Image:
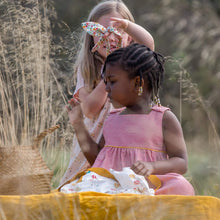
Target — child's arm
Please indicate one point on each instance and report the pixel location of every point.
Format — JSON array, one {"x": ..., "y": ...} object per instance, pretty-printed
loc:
[
  {"x": 92, "y": 103},
  {"x": 88, "y": 146},
  {"x": 139, "y": 34},
  {"x": 175, "y": 147}
]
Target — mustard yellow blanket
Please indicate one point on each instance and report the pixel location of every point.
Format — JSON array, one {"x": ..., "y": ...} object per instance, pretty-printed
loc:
[{"x": 91, "y": 205}]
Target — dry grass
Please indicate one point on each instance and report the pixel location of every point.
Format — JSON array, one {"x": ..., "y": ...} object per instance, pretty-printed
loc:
[
  {"x": 202, "y": 138},
  {"x": 32, "y": 98}
]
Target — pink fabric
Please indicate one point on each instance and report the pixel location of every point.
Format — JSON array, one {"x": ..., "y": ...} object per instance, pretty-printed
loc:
[{"x": 129, "y": 138}]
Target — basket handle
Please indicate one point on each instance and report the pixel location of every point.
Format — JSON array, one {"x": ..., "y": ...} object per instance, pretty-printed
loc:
[{"x": 38, "y": 139}]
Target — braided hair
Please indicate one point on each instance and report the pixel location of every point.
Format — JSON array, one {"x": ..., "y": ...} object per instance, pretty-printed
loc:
[{"x": 139, "y": 60}]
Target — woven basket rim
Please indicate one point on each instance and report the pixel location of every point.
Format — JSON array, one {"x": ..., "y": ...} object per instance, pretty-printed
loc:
[{"x": 20, "y": 162}]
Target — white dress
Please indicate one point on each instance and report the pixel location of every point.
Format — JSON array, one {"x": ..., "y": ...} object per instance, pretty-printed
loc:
[{"x": 78, "y": 162}]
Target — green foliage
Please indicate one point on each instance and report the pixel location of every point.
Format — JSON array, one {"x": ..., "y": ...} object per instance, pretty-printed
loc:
[{"x": 204, "y": 168}]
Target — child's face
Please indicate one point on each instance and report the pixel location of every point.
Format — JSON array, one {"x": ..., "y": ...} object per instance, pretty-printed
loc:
[
  {"x": 121, "y": 89},
  {"x": 113, "y": 39}
]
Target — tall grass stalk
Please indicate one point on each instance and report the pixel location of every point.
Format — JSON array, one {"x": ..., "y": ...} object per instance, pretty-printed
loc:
[
  {"x": 31, "y": 98},
  {"x": 191, "y": 94},
  {"x": 204, "y": 149}
]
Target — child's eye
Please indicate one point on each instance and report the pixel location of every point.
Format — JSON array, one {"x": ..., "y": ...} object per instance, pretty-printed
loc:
[{"x": 109, "y": 82}]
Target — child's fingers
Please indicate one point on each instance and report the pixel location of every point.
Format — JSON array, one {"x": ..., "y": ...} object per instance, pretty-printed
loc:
[
  {"x": 115, "y": 19},
  {"x": 76, "y": 96},
  {"x": 118, "y": 22},
  {"x": 115, "y": 22},
  {"x": 72, "y": 103},
  {"x": 77, "y": 99},
  {"x": 135, "y": 166},
  {"x": 139, "y": 168},
  {"x": 68, "y": 108}
]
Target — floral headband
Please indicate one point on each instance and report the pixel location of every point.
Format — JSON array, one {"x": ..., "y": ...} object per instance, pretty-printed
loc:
[{"x": 97, "y": 30}]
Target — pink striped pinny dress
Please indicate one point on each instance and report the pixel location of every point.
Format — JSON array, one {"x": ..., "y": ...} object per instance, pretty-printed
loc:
[{"x": 129, "y": 138}]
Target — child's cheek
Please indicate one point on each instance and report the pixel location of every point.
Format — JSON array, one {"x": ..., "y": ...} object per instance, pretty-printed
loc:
[
  {"x": 126, "y": 39},
  {"x": 95, "y": 39}
]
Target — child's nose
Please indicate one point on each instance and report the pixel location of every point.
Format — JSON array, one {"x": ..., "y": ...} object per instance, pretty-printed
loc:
[{"x": 112, "y": 37}]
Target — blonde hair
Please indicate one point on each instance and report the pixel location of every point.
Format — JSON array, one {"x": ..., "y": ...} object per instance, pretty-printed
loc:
[{"x": 90, "y": 63}]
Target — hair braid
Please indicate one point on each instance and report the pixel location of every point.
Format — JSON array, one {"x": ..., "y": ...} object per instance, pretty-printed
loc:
[{"x": 139, "y": 60}]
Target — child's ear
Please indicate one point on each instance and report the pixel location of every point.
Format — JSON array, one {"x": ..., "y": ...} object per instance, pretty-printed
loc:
[
  {"x": 139, "y": 85},
  {"x": 139, "y": 82},
  {"x": 130, "y": 39}
]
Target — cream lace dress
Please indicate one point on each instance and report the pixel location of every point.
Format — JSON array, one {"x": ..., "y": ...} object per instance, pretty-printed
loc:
[{"x": 78, "y": 162}]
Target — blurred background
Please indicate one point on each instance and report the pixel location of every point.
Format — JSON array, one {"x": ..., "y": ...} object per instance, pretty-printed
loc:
[
  {"x": 188, "y": 34},
  {"x": 186, "y": 31},
  {"x": 41, "y": 38}
]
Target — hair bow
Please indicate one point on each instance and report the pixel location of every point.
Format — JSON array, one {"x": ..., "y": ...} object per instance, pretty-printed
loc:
[{"x": 97, "y": 30}]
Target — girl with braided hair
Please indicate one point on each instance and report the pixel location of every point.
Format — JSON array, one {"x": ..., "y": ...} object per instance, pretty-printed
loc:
[
  {"x": 110, "y": 25},
  {"x": 142, "y": 135}
]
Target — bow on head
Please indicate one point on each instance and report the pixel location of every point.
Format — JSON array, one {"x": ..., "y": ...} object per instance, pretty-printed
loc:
[{"x": 97, "y": 30}]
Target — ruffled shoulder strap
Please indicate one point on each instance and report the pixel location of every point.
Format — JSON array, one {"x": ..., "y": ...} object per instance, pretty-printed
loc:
[
  {"x": 160, "y": 108},
  {"x": 117, "y": 110},
  {"x": 114, "y": 112}
]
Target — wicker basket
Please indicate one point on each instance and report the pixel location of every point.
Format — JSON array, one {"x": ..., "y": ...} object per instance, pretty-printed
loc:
[{"x": 22, "y": 169}]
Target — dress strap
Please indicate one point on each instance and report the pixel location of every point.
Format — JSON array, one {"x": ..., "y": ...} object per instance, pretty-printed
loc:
[
  {"x": 113, "y": 111},
  {"x": 160, "y": 108}
]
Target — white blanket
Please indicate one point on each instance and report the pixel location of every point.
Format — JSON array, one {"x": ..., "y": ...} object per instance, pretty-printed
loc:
[{"x": 126, "y": 182}]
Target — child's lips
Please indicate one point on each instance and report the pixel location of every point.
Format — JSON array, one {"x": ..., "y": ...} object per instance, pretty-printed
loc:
[{"x": 111, "y": 47}]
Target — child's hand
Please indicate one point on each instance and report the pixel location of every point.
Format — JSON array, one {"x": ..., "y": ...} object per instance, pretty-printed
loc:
[
  {"x": 119, "y": 23},
  {"x": 74, "y": 111},
  {"x": 142, "y": 168}
]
